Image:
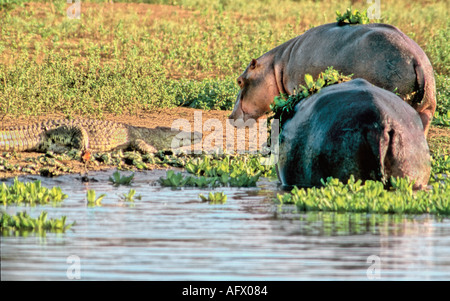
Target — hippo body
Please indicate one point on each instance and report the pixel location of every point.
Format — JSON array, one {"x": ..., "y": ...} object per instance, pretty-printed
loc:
[
  {"x": 353, "y": 128},
  {"x": 379, "y": 53}
]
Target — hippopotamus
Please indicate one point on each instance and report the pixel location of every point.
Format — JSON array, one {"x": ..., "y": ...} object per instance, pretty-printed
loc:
[
  {"x": 379, "y": 53},
  {"x": 353, "y": 128}
]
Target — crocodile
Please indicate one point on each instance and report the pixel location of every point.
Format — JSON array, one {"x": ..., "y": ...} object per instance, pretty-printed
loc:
[{"x": 91, "y": 135}]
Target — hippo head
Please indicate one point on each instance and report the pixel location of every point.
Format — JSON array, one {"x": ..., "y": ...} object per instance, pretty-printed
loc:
[{"x": 258, "y": 88}]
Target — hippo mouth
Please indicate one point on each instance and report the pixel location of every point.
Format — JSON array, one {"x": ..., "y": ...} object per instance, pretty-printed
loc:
[{"x": 239, "y": 112}]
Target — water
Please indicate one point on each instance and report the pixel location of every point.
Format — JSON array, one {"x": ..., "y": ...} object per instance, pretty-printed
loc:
[{"x": 172, "y": 235}]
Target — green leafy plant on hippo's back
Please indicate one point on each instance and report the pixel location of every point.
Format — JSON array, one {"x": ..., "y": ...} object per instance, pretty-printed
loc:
[
  {"x": 283, "y": 106},
  {"x": 352, "y": 17}
]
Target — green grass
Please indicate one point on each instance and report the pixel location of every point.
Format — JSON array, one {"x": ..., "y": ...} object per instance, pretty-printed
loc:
[{"x": 123, "y": 60}]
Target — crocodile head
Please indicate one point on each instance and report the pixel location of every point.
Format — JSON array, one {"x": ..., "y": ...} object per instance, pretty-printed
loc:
[{"x": 164, "y": 138}]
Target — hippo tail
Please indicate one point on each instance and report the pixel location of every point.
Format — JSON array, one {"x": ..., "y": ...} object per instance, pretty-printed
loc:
[
  {"x": 424, "y": 101},
  {"x": 380, "y": 145},
  {"x": 418, "y": 98}
]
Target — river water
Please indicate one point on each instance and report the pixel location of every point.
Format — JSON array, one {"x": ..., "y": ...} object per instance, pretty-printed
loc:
[{"x": 172, "y": 235}]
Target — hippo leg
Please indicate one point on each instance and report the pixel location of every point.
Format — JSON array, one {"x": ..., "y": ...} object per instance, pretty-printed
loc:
[{"x": 426, "y": 118}]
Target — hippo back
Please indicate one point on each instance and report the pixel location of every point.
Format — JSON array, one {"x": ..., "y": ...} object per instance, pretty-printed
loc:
[{"x": 353, "y": 128}]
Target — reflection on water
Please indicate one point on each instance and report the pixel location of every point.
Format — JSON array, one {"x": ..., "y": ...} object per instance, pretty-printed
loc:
[{"x": 172, "y": 235}]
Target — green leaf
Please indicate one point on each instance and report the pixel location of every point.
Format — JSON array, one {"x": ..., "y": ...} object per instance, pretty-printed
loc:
[
  {"x": 320, "y": 82},
  {"x": 309, "y": 81}
]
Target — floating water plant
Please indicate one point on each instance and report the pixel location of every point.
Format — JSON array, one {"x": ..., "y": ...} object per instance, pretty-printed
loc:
[
  {"x": 31, "y": 193},
  {"x": 370, "y": 197},
  {"x": 352, "y": 17},
  {"x": 214, "y": 198},
  {"x": 174, "y": 180},
  {"x": 117, "y": 179},
  {"x": 130, "y": 196},
  {"x": 22, "y": 223},
  {"x": 91, "y": 198},
  {"x": 212, "y": 176},
  {"x": 233, "y": 166}
]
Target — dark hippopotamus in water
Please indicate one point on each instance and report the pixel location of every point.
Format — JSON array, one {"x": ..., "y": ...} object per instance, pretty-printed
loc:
[
  {"x": 379, "y": 53},
  {"x": 353, "y": 128}
]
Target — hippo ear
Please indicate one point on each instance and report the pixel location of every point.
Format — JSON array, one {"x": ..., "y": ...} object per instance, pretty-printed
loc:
[{"x": 253, "y": 64}]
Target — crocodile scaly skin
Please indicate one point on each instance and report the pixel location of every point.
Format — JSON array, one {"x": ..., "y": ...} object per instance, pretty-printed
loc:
[{"x": 94, "y": 135}]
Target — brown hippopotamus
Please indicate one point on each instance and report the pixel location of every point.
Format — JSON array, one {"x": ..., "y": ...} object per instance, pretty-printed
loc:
[
  {"x": 379, "y": 53},
  {"x": 353, "y": 128}
]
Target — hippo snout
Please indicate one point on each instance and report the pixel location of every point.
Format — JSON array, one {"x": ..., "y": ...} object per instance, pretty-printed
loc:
[{"x": 237, "y": 113}]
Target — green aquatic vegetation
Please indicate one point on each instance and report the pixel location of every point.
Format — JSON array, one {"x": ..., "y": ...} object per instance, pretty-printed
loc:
[
  {"x": 234, "y": 166},
  {"x": 117, "y": 179},
  {"x": 31, "y": 193},
  {"x": 214, "y": 198},
  {"x": 174, "y": 179},
  {"x": 370, "y": 197},
  {"x": 22, "y": 223},
  {"x": 235, "y": 172},
  {"x": 212, "y": 179},
  {"x": 352, "y": 17},
  {"x": 92, "y": 199},
  {"x": 202, "y": 181},
  {"x": 179, "y": 180},
  {"x": 130, "y": 196},
  {"x": 242, "y": 180}
]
